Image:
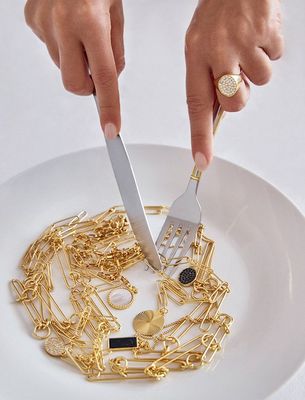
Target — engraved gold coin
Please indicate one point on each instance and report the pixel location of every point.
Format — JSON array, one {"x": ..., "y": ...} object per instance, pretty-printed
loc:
[
  {"x": 148, "y": 322},
  {"x": 54, "y": 346}
]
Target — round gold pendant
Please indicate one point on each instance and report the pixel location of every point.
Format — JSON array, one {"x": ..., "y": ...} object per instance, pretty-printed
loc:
[
  {"x": 54, "y": 346},
  {"x": 148, "y": 322}
]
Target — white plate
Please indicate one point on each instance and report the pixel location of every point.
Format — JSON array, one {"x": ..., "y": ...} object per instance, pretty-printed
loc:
[{"x": 259, "y": 250}]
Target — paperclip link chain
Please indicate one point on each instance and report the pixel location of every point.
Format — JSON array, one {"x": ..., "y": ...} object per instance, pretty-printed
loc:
[{"x": 91, "y": 256}]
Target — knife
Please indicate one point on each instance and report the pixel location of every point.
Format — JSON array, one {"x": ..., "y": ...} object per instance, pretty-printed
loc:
[{"x": 131, "y": 198}]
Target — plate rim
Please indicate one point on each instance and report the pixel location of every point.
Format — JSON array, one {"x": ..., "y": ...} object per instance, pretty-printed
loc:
[{"x": 10, "y": 180}]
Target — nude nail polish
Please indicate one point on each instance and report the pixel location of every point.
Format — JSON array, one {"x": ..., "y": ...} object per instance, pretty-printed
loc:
[
  {"x": 201, "y": 161},
  {"x": 110, "y": 130}
]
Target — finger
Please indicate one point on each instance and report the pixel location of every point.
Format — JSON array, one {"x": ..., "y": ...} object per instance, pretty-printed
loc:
[
  {"x": 238, "y": 101},
  {"x": 74, "y": 67},
  {"x": 200, "y": 100},
  {"x": 52, "y": 49},
  {"x": 117, "y": 35},
  {"x": 32, "y": 14},
  {"x": 36, "y": 18},
  {"x": 30, "y": 10},
  {"x": 257, "y": 67},
  {"x": 274, "y": 47},
  {"x": 97, "y": 43}
]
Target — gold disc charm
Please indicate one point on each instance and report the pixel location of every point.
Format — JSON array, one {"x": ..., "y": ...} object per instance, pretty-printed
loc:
[
  {"x": 148, "y": 322},
  {"x": 54, "y": 346}
]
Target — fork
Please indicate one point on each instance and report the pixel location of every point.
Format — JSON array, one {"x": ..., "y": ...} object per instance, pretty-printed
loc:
[{"x": 181, "y": 224}]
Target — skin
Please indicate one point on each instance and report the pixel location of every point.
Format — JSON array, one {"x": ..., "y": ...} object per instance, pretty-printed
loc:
[
  {"x": 79, "y": 34},
  {"x": 227, "y": 36},
  {"x": 85, "y": 40}
]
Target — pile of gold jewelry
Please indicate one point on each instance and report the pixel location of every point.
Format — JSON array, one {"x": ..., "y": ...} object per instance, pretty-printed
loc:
[{"x": 92, "y": 255}]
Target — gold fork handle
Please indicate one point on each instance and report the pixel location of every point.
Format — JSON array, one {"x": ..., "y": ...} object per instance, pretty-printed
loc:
[{"x": 218, "y": 114}]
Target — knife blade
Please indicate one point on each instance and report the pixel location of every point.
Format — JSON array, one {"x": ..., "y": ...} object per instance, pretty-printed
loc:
[{"x": 129, "y": 191}]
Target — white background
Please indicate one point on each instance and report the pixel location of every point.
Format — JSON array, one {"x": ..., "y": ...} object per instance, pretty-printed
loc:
[{"x": 39, "y": 120}]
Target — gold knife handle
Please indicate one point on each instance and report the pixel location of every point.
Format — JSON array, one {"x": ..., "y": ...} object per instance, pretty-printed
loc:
[{"x": 218, "y": 114}]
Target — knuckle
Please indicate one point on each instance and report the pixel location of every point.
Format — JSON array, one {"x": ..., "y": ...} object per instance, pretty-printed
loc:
[
  {"x": 279, "y": 45},
  {"x": 92, "y": 13},
  {"x": 197, "y": 136},
  {"x": 263, "y": 77},
  {"x": 192, "y": 39},
  {"x": 83, "y": 15},
  {"x": 221, "y": 36},
  {"x": 233, "y": 105},
  {"x": 60, "y": 11},
  {"x": 76, "y": 87},
  {"x": 32, "y": 16},
  {"x": 278, "y": 20},
  {"x": 242, "y": 29},
  {"x": 120, "y": 64},
  {"x": 196, "y": 106},
  {"x": 28, "y": 14},
  {"x": 105, "y": 78},
  {"x": 244, "y": 36},
  {"x": 207, "y": 42},
  {"x": 262, "y": 26}
]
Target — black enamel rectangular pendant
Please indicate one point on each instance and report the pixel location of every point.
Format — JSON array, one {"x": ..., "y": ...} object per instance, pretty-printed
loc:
[{"x": 123, "y": 343}]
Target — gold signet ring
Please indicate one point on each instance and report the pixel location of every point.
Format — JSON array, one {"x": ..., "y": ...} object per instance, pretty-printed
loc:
[{"x": 228, "y": 84}]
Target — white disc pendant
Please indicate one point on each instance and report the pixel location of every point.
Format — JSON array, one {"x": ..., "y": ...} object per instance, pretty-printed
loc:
[{"x": 120, "y": 298}]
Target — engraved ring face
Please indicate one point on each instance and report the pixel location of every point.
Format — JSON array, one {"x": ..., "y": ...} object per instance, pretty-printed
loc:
[{"x": 228, "y": 85}]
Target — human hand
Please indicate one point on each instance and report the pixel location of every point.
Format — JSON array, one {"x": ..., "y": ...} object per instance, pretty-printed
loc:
[
  {"x": 227, "y": 37},
  {"x": 84, "y": 37}
]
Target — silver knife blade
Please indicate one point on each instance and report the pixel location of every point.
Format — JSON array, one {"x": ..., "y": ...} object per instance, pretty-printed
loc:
[{"x": 129, "y": 191}]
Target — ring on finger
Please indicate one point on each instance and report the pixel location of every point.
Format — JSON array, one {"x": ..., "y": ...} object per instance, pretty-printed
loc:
[{"x": 228, "y": 84}]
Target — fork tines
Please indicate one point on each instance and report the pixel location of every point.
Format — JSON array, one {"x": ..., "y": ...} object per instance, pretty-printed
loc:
[{"x": 175, "y": 238}]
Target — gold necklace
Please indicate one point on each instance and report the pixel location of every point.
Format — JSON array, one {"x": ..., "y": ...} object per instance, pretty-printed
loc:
[{"x": 91, "y": 255}]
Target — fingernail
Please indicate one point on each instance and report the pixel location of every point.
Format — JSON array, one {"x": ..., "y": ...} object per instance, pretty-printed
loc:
[
  {"x": 200, "y": 161},
  {"x": 110, "y": 130}
]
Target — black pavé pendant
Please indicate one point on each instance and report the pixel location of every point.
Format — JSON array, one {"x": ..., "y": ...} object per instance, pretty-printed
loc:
[{"x": 187, "y": 276}]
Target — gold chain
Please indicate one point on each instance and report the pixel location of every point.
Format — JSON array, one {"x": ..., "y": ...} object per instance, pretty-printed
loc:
[{"x": 91, "y": 256}]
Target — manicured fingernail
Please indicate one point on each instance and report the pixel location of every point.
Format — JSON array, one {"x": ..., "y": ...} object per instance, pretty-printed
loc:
[
  {"x": 200, "y": 161},
  {"x": 110, "y": 130}
]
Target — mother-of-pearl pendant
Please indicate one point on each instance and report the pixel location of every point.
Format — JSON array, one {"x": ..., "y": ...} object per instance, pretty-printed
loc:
[{"x": 120, "y": 298}]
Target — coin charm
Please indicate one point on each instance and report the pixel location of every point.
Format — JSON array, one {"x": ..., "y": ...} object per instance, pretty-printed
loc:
[
  {"x": 120, "y": 298},
  {"x": 187, "y": 276},
  {"x": 148, "y": 322},
  {"x": 54, "y": 346}
]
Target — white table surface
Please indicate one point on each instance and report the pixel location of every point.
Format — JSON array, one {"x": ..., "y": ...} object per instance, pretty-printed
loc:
[{"x": 39, "y": 120}]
